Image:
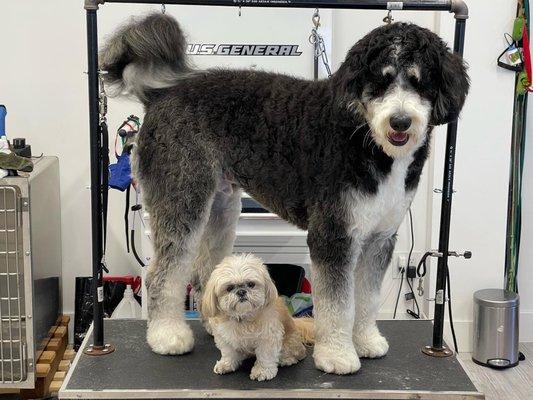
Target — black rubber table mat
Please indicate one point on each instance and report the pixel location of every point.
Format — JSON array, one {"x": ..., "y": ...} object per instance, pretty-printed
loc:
[{"x": 133, "y": 368}]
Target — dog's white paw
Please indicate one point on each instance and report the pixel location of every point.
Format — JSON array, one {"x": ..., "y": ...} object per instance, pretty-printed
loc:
[
  {"x": 287, "y": 360},
  {"x": 340, "y": 361},
  {"x": 224, "y": 366},
  {"x": 169, "y": 336},
  {"x": 262, "y": 373},
  {"x": 372, "y": 345},
  {"x": 291, "y": 353}
]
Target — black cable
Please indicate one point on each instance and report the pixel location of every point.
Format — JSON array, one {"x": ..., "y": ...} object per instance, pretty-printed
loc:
[
  {"x": 411, "y": 312},
  {"x": 399, "y": 293},
  {"x": 422, "y": 267},
  {"x": 412, "y": 238},
  {"x": 126, "y": 218},
  {"x": 134, "y": 250},
  {"x": 450, "y": 310},
  {"x": 417, "y": 315}
]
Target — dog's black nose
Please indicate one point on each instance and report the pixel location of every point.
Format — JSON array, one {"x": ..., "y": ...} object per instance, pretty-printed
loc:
[
  {"x": 241, "y": 292},
  {"x": 400, "y": 122}
]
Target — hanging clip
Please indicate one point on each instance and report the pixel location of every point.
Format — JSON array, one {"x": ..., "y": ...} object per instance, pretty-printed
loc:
[
  {"x": 240, "y": 11},
  {"x": 316, "y": 18},
  {"x": 163, "y": 8},
  {"x": 420, "y": 287},
  {"x": 388, "y": 19},
  {"x": 318, "y": 42},
  {"x": 103, "y": 265}
]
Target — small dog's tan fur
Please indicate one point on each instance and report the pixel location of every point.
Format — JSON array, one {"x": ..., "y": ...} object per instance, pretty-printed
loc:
[{"x": 255, "y": 322}]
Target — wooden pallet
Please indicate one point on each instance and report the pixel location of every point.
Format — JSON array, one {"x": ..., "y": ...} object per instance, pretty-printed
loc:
[{"x": 53, "y": 362}]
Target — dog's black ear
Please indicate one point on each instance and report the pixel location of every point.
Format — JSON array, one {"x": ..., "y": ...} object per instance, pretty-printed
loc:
[
  {"x": 452, "y": 87},
  {"x": 349, "y": 78}
]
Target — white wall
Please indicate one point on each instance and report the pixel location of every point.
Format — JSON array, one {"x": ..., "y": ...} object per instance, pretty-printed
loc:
[{"x": 43, "y": 85}]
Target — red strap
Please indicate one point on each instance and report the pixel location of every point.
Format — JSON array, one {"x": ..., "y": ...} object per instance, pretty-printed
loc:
[{"x": 527, "y": 54}]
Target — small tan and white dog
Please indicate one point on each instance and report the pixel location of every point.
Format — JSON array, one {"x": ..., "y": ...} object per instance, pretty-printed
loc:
[{"x": 248, "y": 318}]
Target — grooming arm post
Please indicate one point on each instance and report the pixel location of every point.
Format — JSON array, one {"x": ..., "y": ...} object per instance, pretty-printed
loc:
[
  {"x": 97, "y": 153},
  {"x": 437, "y": 348},
  {"x": 96, "y": 201},
  {"x": 458, "y": 7},
  {"x": 435, "y": 5}
]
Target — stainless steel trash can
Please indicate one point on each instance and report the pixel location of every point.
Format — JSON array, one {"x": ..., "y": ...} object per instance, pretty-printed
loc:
[{"x": 496, "y": 314}]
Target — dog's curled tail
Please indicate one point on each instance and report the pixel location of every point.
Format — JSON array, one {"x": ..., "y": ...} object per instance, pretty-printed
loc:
[
  {"x": 144, "y": 55},
  {"x": 306, "y": 327}
]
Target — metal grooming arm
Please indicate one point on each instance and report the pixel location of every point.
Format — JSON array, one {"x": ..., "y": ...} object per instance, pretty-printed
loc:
[{"x": 457, "y": 7}]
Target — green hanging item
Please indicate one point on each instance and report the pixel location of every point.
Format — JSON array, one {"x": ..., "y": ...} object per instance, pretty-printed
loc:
[
  {"x": 518, "y": 140},
  {"x": 518, "y": 28}
]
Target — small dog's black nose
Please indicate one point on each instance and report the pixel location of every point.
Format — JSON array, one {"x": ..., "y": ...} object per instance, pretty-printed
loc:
[
  {"x": 241, "y": 292},
  {"x": 400, "y": 122}
]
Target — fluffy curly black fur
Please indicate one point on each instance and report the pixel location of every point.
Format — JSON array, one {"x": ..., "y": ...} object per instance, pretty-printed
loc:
[{"x": 319, "y": 154}]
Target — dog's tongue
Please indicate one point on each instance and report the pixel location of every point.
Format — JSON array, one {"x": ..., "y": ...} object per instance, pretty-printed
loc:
[{"x": 398, "y": 136}]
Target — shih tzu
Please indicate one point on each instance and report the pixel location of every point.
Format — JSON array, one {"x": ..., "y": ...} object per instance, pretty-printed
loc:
[{"x": 248, "y": 318}]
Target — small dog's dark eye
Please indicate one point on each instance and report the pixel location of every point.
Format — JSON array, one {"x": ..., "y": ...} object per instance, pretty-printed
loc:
[
  {"x": 250, "y": 285},
  {"x": 230, "y": 288}
]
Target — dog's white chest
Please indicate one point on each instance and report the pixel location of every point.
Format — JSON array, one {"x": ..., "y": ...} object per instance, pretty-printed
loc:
[{"x": 384, "y": 211}]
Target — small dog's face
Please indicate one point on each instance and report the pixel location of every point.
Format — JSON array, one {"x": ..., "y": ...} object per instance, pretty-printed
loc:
[
  {"x": 404, "y": 80},
  {"x": 239, "y": 288}
]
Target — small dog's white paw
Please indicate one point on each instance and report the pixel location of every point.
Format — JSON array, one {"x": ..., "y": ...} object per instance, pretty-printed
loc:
[
  {"x": 262, "y": 373},
  {"x": 372, "y": 345},
  {"x": 224, "y": 366},
  {"x": 292, "y": 352},
  {"x": 287, "y": 360},
  {"x": 170, "y": 337},
  {"x": 334, "y": 360}
]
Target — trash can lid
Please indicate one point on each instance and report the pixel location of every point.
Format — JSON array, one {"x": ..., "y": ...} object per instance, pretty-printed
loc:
[{"x": 499, "y": 298}]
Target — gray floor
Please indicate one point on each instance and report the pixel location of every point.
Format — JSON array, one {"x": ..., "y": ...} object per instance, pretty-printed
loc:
[
  {"x": 509, "y": 384},
  {"x": 133, "y": 370}
]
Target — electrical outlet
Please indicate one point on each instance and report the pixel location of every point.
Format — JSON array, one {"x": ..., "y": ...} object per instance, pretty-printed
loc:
[{"x": 400, "y": 262}]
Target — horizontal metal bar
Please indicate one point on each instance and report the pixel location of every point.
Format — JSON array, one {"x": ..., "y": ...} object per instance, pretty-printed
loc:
[
  {"x": 436, "y": 5},
  {"x": 13, "y": 319}
]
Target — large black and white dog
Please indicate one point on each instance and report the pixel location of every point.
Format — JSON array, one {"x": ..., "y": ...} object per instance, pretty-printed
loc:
[{"x": 340, "y": 157}]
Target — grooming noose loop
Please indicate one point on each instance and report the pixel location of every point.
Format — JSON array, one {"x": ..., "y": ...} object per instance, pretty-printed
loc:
[
  {"x": 318, "y": 42},
  {"x": 163, "y": 8}
]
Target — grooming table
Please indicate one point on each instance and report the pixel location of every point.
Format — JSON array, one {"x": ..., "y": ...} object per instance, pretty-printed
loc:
[{"x": 134, "y": 372}]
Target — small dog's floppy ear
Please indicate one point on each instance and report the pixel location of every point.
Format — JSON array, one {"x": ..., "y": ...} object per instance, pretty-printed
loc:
[
  {"x": 271, "y": 293},
  {"x": 209, "y": 307},
  {"x": 452, "y": 89}
]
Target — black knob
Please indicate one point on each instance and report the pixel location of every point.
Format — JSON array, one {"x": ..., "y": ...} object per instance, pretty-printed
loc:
[
  {"x": 468, "y": 254},
  {"x": 19, "y": 143}
]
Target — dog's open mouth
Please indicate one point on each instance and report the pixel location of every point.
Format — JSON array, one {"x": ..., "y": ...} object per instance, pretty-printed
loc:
[{"x": 398, "y": 138}]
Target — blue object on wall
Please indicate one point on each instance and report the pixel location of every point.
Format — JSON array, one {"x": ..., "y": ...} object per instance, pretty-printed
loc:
[
  {"x": 3, "y": 112},
  {"x": 120, "y": 173}
]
